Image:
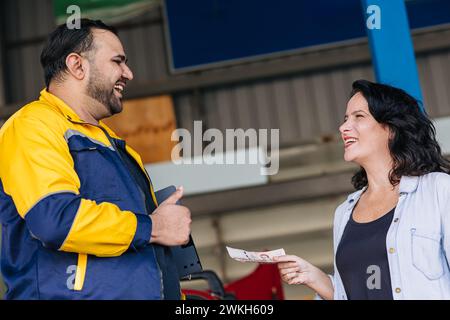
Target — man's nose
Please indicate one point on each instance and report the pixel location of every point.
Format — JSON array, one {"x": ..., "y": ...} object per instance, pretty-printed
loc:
[{"x": 127, "y": 73}]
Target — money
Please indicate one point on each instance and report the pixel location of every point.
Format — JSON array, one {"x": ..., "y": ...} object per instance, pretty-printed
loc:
[{"x": 252, "y": 256}]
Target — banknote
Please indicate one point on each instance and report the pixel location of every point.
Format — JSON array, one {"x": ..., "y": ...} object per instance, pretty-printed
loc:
[{"x": 252, "y": 256}]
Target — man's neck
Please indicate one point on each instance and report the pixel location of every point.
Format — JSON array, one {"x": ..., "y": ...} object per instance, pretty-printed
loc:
[{"x": 75, "y": 101}]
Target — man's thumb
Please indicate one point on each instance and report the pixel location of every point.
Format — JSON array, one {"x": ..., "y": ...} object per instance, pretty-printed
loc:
[{"x": 174, "y": 197}]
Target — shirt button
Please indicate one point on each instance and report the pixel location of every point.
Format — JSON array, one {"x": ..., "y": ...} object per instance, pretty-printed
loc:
[
  {"x": 396, "y": 219},
  {"x": 391, "y": 250},
  {"x": 398, "y": 290}
]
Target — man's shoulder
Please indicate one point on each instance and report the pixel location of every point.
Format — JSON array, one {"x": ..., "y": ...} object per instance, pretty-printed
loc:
[{"x": 36, "y": 112}]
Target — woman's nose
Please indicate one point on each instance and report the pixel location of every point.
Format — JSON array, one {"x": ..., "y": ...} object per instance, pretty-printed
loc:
[{"x": 343, "y": 127}]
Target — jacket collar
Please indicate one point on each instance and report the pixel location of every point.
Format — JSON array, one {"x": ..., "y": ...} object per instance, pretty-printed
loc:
[
  {"x": 68, "y": 112},
  {"x": 59, "y": 104},
  {"x": 408, "y": 184}
]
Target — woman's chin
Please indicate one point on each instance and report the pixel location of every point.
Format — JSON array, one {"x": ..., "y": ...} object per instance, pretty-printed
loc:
[{"x": 349, "y": 157}]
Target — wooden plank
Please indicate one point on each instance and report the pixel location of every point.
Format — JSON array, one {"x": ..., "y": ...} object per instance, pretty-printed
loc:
[{"x": 147, "y": 125}]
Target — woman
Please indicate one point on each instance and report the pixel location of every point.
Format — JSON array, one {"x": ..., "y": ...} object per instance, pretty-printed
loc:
[{"x": 391, "y": 236}]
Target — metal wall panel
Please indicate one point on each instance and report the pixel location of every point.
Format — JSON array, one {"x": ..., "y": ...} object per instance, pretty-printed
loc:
[
  {"x": 303, "y": 107},
  {"x": 307, "y": 107},
  {"x": 144, "y": 46},
  {"x": 434, "y": 71},
  {"x": 29, "y": 22}
]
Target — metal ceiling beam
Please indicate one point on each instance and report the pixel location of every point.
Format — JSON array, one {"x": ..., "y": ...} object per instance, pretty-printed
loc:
[{"x": 269, "y": 194}]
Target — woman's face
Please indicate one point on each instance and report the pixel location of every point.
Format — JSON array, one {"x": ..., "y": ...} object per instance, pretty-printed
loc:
[{"x": 364, "y": 138}]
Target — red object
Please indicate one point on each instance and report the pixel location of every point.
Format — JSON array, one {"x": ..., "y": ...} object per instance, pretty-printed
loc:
[
  {"x": 262, "y": 284},
  {"x": 192, "y": 294}
]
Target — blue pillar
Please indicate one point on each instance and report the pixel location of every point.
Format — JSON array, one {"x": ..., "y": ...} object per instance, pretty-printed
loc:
[{"x": 391, "y": 45}]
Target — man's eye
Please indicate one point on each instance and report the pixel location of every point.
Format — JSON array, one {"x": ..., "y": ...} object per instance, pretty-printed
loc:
[
  {"x": 359, "y": 116},
  {"x": 117, "y": 61}
]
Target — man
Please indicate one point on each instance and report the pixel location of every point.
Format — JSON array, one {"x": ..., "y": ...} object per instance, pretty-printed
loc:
[{"x": 80, "y": 218}]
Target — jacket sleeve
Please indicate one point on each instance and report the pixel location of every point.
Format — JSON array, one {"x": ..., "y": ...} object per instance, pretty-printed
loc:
[
  {"x": 443, "y": 191},
  {"x": 37, "y": 172}
]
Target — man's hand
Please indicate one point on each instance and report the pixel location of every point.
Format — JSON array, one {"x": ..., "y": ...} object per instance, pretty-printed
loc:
[{"x": 171, "y": 223}]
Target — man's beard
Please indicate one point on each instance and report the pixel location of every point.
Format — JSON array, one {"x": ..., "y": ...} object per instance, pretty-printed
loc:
[{"x": 98, "y": 90}]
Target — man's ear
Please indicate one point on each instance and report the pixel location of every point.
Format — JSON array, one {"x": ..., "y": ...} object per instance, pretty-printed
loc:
[{"x": 75, "y": 67}]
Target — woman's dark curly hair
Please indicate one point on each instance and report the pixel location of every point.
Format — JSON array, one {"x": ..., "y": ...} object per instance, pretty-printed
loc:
[{"x": 412, "y": 144}]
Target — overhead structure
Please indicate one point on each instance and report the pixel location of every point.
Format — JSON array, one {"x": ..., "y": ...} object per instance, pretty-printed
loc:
[{"x": 390, "y": 42}]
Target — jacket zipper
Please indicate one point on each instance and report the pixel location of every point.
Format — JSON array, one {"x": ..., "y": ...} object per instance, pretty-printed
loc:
[
  {"x": 113, "y": 144},
  {"x": 81, "y": 272},
  {"x": 80, "y": 258}
]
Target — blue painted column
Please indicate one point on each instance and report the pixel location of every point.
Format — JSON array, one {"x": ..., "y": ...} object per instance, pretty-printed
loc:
[{"x": 391, "y": 45}]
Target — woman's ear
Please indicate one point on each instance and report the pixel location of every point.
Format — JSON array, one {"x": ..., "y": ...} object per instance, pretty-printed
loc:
[
  {"x": 391, "y": 133},
  {"x": 74, "y": 63}
]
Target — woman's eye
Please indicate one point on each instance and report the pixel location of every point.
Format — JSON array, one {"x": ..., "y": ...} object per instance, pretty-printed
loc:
[{"x": 359, "y": 116}]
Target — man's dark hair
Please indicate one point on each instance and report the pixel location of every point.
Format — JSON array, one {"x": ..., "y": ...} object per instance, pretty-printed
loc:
[
  {"x": 64, "y": 41},
  {"x": 413, "y": 144}
]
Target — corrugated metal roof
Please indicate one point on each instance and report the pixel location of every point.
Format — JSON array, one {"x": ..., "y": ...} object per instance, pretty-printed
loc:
[{"x": 303, "y": 107}]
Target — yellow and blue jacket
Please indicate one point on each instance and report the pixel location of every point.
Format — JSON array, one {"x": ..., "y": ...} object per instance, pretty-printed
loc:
[{"x": 74, "y": 223}]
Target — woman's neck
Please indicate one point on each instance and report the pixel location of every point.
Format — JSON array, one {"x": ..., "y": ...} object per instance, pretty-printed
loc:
[{"x": 378, "y": 176}]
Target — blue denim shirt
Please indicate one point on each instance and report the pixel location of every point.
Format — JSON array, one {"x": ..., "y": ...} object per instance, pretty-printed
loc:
[{"x": 417, "y": 242}]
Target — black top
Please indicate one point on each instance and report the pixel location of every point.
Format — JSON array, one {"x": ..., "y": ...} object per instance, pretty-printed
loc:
[{"x": 362, "y": 261}]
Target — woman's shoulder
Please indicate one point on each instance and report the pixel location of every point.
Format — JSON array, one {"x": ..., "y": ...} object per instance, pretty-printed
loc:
[
  {"x": 434, "y": 185},
  {"x": 438, "y": 179}
]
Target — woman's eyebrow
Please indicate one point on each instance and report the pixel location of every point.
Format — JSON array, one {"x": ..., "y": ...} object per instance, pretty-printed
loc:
[
  {"x": 346, "y": 115},
  {"x": 358, "y": 111}
]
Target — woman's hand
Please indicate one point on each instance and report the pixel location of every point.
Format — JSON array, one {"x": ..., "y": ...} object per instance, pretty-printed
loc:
[{"x": 295, "y": 270}]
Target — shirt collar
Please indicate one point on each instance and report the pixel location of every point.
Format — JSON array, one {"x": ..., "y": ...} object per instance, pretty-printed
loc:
[{"x": 408, "y": 184}]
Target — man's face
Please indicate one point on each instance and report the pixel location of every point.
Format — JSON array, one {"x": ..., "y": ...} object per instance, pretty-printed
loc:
[{"x": 108, "y": 72}]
